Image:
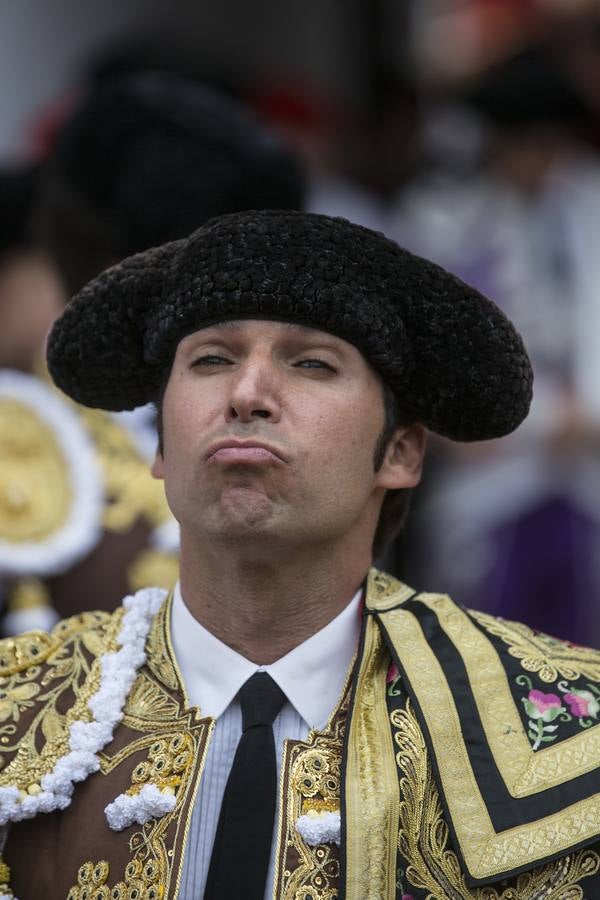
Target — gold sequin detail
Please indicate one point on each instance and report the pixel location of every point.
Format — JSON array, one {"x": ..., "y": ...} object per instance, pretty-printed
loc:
[
  {"x": 139, "y": 882},
  {"x": 316, "y": 777},
  {"x": 432, "y": 866},
  {"x": 314, "y": 804},
  {"x": 167, "y": 762},
  {"x": 35, "y": 491},
  {"x": 541, "y": 654}
]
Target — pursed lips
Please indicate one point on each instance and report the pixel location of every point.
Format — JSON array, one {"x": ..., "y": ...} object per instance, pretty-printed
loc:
[{"x": 244, "y": 452}]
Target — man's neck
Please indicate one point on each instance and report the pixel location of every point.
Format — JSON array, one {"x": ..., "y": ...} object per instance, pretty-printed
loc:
[{"x": 264, "y": 609}]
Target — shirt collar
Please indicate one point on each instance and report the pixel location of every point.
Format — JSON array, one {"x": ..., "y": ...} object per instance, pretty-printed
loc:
[{"x": 311, "y": 675}]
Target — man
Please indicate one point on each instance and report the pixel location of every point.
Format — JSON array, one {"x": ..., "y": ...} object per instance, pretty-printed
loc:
[
  {"x": 422, "y": 750},
  {"x": 142, "y": 160}
]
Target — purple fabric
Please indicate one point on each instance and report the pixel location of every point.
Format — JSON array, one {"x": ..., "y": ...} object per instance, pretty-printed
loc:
[{"x": 546, "y": 572}]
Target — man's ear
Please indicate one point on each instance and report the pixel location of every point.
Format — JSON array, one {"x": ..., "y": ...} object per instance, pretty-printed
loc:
[
  {"x": 158, "y": 466},
  {"x": 403, "y": 461}
]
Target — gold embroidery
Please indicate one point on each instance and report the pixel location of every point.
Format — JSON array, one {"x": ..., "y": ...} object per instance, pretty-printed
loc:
[
  {"x": 314, "y": 768},
  {"x": 523, "y": 770},
  {"x": 170, "y": 765},
  {"x": 176, "y": 742},
  {"x": 161, "y": 661},
  {"x": 148, "y": 700},
  {"x": 423, "y": 836},
  {"x": 486, "y": 852},
  {"x": 16, "y": 694},
  {"x": 310, "y": 781},
  {"x": 131, "y": 492},
  {"x": 547, "y": 657},
  {"x": 80, "y": 623},
  {"x": 167, "y": 764},
  {"x": 140, "y": 882},
  {"x": 71, "y": 670},
  {"x": 371, "y": 780},
  {"x": 329, "y": 804},
  {"x": 18, "y": 653},
  {"x": 385, "y": 592},
  {"x": 35, "y": 492}
]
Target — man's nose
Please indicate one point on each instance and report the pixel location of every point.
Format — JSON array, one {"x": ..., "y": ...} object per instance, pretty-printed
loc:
[{"x": 254, "y": 394}]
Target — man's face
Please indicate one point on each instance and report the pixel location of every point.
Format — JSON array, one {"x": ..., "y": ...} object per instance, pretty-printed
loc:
[{"x": 269, "y": 434}]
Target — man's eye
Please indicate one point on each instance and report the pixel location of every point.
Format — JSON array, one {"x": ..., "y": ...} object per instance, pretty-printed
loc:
[
  {"x": 210, "y": 361},
  {"x": 314, "y": 364}
]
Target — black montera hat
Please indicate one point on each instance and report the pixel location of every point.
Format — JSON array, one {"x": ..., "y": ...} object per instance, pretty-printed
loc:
[{"x": 450, "y": 355}]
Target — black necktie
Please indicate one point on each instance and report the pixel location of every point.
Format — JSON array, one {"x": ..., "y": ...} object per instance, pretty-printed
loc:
[{"x": 242, "y": 848}]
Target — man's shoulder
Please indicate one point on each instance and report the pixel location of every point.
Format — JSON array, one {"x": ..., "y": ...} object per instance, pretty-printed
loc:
[
  {"x": 36, "y": 649},
  {"x": 511, "y": 718},
  {"x": 544, "y": 655},
  {"x": 46, "y": 679},
  {"x": 546, "y": 677}
]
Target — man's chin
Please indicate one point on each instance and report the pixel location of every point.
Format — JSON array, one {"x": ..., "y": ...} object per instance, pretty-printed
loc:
[{"x": 246, "y": 511}]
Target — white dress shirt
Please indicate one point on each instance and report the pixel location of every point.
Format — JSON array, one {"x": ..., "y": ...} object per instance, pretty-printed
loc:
[{"x": 311, "y": 676}]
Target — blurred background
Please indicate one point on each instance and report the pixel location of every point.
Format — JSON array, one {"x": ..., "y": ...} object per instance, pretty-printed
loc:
[{"x": 466, "y": 130}]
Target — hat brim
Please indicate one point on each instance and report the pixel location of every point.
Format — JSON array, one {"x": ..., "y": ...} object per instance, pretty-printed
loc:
[{"x": 453, "y": 359}]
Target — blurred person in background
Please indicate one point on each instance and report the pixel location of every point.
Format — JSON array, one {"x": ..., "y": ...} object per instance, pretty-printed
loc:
[
  {"x": 31, "y": 297},
  {"x": 514, "y": 528},
  {"x": 327, "y": 137},
  {"x": 143, "y": 159},
  {"x": 31, "y": 294}
]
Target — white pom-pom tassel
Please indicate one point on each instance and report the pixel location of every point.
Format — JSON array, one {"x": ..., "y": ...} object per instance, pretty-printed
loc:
[
  {"x": 118, "y": 673},
  {"x": 319, "y": 828},
  {"x": 149, "y": 803}
]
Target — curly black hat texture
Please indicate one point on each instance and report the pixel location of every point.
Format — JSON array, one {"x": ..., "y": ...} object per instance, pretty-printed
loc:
[{"x": 450, "y": 355}]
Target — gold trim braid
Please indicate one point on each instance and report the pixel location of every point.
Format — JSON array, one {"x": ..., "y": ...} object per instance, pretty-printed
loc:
[
  {"x": 487, "y": 854},
  {"x": 523, "y": 770},
  {"x": 424, "y": 836},
  {"x": 371, "y": 781}
]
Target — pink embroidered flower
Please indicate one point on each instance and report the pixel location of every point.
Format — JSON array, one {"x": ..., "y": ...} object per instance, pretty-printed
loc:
[
  {"x": 393, "y": 673},
  {"x": 542, "y": 706},
  {"x": 583, "y": 703}
]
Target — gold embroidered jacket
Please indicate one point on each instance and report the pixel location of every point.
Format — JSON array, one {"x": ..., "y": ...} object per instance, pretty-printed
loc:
[{"x": 464, "y": 758}]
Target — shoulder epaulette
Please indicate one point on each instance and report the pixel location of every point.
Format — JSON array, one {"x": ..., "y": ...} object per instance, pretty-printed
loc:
[
  {"x": 511, "y": 719},
  {"x": 45, "y": 678}
]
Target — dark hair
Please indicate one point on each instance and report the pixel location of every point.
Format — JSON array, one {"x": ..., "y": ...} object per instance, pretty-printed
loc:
[{"x": 394, "y": 510}]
